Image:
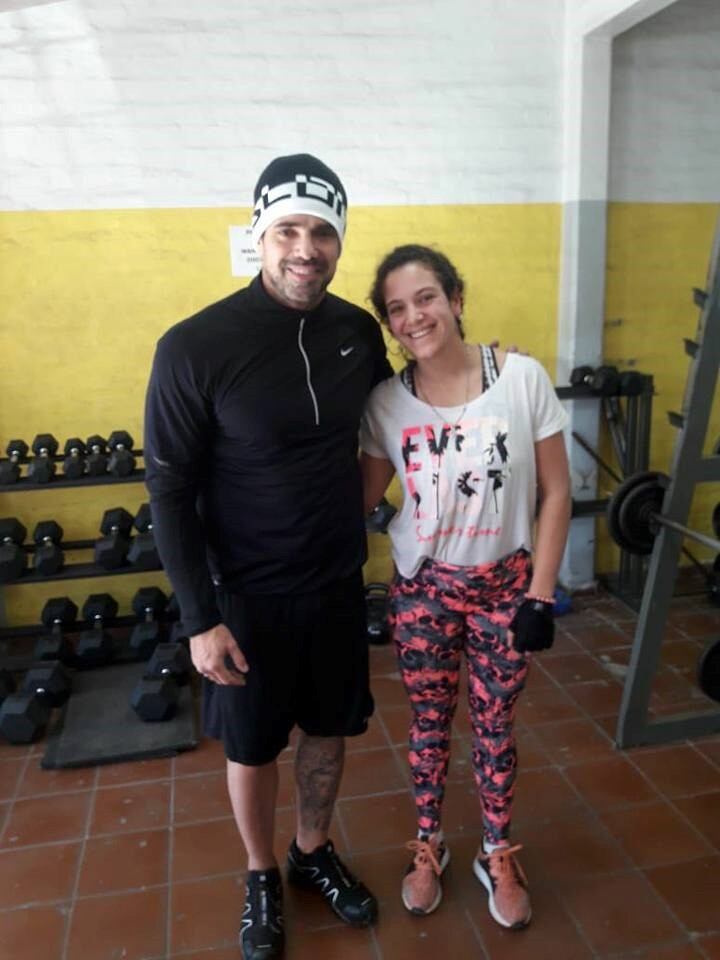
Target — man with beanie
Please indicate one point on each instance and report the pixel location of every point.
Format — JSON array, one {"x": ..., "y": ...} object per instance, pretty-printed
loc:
[{"x": 251, "y": 427}]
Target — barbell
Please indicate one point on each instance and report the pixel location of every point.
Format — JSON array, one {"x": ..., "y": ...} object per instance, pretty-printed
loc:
[{"x": 634, "y": 517}]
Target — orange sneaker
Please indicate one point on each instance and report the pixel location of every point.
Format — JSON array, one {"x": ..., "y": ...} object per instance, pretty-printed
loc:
[
  {"x": 506, "y": 884},
  {"x": 421, "y": 887}
]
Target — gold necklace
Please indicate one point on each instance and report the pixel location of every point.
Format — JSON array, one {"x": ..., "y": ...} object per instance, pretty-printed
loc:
[{"x": 437, "y": 413}]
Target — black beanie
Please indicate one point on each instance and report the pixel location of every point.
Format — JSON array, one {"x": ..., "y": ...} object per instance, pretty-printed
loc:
[{"x": 298, "y": 184}]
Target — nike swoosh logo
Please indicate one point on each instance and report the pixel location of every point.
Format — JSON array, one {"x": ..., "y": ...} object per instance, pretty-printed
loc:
[{"x": 344, "y": 351}]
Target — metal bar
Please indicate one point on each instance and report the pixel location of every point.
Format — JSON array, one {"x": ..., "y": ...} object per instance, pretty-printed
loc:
[
  {"x": 76, "y": 571},
  {"x": 682, "y": 726},
  {"x": 595, "y": 456},
  {"x": 616, "y": 426},
  {"x": 686, "y": 532},
  {"x": 58, "y": 481}
]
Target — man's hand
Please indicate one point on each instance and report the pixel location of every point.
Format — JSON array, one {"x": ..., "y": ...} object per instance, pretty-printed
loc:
[{"x": 216, "y": 655}]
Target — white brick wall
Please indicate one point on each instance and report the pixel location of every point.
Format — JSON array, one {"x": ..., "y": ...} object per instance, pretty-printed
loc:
[
  {"x": 665, "y": 114},
  {"x": 180, "y": 103},
  {"x": 174, "y": 102}
]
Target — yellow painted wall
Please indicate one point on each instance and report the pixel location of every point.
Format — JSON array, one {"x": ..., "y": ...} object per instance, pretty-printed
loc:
[
  {"x": 84, "y": 295},
  {"x": 656, "y": 254}
]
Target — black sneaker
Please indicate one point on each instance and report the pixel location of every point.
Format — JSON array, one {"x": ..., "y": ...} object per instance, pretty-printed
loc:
[
  {"x": 262, "y": 934},
  {"x": 323, "y": 870}
]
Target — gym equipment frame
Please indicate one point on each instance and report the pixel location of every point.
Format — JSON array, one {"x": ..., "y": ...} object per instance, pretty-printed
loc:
[{"x": 688, "y": 468}]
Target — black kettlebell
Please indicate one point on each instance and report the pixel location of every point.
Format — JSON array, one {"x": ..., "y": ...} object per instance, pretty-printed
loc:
[{"x": 376, "y": 601}]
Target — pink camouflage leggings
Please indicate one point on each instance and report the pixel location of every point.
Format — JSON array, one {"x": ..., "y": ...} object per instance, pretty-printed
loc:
[{"x": 443, "y": 611}]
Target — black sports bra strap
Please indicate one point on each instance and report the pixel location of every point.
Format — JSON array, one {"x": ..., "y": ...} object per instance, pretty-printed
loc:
[{"x": 490, "y": 368}]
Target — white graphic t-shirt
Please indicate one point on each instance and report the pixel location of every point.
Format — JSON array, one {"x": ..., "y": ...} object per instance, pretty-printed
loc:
[{"x": 469, "y": 487}]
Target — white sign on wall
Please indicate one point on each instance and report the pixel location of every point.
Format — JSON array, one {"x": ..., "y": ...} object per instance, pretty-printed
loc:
[{"x": 244, "y": 257}]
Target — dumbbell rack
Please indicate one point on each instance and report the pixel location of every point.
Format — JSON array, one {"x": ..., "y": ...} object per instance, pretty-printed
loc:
[
  {"x": 688, "y": 468},
  {"x": 71, "y": 571},
  {"x": 60, "y": 482},
  {"x": 627, "y": 584}
]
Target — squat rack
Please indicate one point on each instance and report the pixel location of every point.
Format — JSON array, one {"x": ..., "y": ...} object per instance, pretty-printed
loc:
[{"x": 688, "y": 468}]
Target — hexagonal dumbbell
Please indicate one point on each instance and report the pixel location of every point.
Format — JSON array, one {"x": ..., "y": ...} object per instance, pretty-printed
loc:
[
  {"x": 74, "y": 462},
  {"x": 170, "y": 660},
  {"x": 49, "y": 681},
  {"x": 605, "y": 380},
  {"x": 149, "y": 604},
  {"x": 48, "y": 558},
  {"x": 23, "y": 717},
  {"x": 7, "y": 684},
  {"x": 96, "y": 647},
  {"x": 17, "y": 451},
  {"x": 13, "y": 559},
  {"x": 112, "y": 548},
  {"x": 96, "y": 461},
  {"x": 378, "y": 520},
  {"x": 57, "y": 614},
  {"x": 42, "y": 466},
  {"x": 155, "y": 699},
  {"x": 122, "y": 462},
  {"x": 143, "y": 552}
]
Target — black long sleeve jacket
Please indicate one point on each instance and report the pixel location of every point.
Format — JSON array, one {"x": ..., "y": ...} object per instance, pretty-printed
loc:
[{"x": 251, "y": 427}]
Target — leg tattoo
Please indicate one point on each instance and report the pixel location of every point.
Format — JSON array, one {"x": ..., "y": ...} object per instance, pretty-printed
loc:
[{"x": 318, "y": 769}]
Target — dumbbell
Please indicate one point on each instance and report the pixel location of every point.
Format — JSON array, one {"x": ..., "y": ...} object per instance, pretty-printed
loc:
[
  {"x": 155, "y": 699},
  {"x": 23, "y": 717},
  {"x": 149, "y": 604},
  {"x": 604, "y": 381},
  {"x": 376, "y": 605},
  {"x": 377, "y": 521},
  {"x": 156, "y": 694},
  {"x": 170, "y": 660},
  {"x": 112, "y": 548},
  {"x": 17, "y": 451},
  {"x": 714, "y": 583},
  {"x": 96, "y": 461},
  {"x": 49, "y": 681},
  {"x": 13, "y": 558},
  {"x": 122, "y": 462},
  {"x": 7, "y": 684},
  {"x": 49, "y": 558},
  {"x": 95, "y": 647},
  {"x": 74, "y": 462},
  {"x": 41, "y": 468},
  {"x": 143, "y": 552},
  {"x": 58, "y": 613}
]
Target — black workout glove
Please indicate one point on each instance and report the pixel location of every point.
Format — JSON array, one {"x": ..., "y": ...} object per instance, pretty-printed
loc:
[{"x": 533, "y": 626}]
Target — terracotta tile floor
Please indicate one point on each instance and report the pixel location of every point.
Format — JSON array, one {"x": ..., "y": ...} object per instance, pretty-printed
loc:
[{"x": 141, "y": 861}]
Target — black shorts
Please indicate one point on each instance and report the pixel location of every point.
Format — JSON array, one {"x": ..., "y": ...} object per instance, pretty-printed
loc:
[{"x": 308, "y": 660}]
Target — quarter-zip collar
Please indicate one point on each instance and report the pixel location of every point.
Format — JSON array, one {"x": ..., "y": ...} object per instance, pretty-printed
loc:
[{"x": 267, "y": 309}]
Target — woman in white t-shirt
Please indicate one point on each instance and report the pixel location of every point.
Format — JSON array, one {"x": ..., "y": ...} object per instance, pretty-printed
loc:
[{"x": 475, "y": 436}]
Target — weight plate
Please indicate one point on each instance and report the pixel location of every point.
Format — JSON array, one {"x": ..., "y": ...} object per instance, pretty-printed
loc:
[
  {"x": 630, "y": 526},
  {"x": 709, "y": 672}
]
